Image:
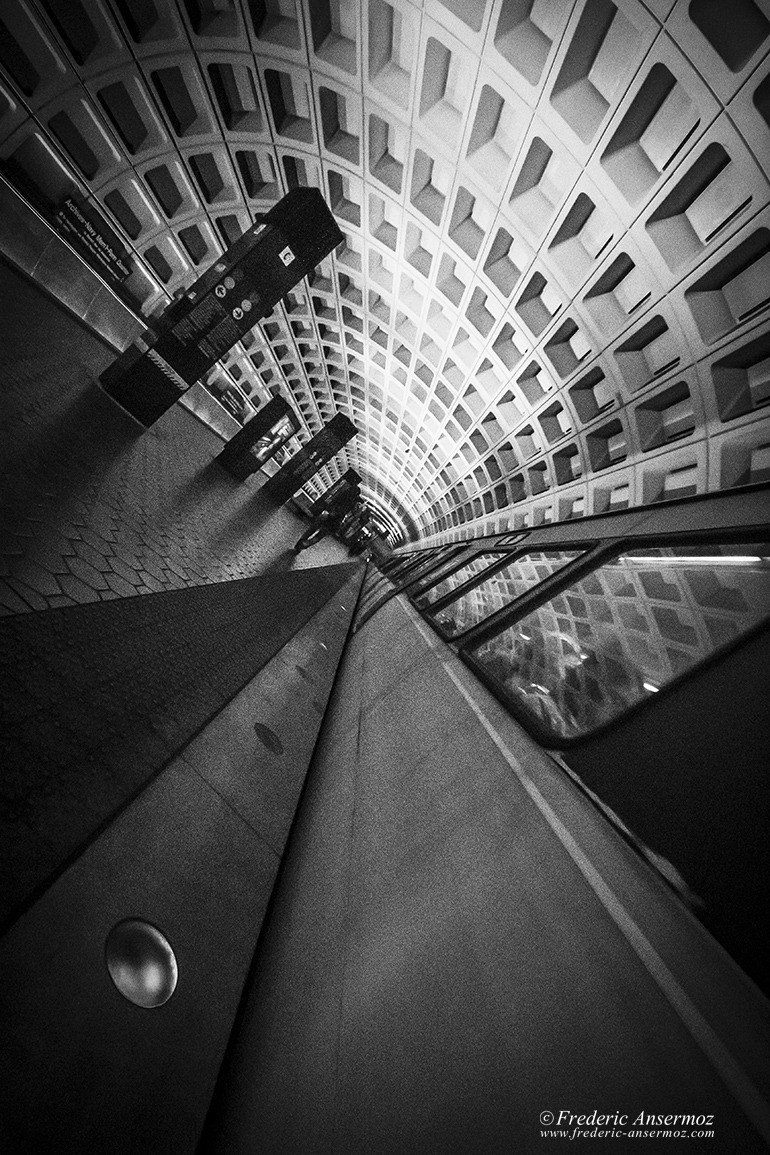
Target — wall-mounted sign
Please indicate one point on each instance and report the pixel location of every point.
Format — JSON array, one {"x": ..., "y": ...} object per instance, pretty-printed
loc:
[{"x": 87, "y": 231}]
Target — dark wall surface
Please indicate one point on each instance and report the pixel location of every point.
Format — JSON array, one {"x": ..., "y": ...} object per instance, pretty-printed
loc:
[
  {"x": 196, "y": 853},
  {"x": 688, "y": 776},
  {"x": 97, "y": 698}
]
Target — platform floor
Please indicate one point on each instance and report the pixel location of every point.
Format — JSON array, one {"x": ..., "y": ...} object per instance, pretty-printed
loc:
[
  {"x": 465, "y": 958},
  {"x": 92, "y": 508}
]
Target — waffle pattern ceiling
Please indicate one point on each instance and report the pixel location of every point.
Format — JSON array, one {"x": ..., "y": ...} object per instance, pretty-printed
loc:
[{"x": 553, "y": 294}]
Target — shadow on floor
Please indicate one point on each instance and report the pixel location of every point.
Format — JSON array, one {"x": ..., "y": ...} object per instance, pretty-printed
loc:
[
  {"x": 253, "y": 514},
  {"x": 85, "y": 425},
  {"x": 282, "y": 563},
  {"x": 57, "y": 458},
  {"x": 211, "y": 479}
]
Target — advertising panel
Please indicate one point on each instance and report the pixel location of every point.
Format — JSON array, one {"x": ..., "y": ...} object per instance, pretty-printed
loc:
[
  {"x": 260, "y": 439},
  {"x": 320, "y": 449}
]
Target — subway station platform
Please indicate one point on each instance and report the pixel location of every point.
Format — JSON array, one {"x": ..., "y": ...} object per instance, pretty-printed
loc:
[
  {"x": 102, "y": 683},
  {"x": 95, "y": 509},
  {"x": 398, "y": 927}
]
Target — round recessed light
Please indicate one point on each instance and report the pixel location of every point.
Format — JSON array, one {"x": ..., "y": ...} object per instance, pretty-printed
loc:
[{"x": 141, "y": 963}]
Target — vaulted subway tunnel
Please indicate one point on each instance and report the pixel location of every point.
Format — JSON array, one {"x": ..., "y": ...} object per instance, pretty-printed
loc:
[{"x": 550, "y": 303}]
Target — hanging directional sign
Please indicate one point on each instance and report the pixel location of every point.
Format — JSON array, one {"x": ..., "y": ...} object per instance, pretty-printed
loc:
[{"x": 240, "y": 288}]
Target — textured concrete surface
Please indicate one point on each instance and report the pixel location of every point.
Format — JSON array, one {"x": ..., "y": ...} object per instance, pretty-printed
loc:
[
  {"x": 97, "y": 698},
  {"x": 92, "y": 508},
  {"x": 443, "y": 974},
  {"x": 196, "y": 854}
]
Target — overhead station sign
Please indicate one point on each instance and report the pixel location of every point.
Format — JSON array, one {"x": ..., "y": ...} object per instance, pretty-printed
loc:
[
  {"x": 200, "y": 329},
  {"x": 237, "y": 291},
  {"x": 348, "y": 484}
]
